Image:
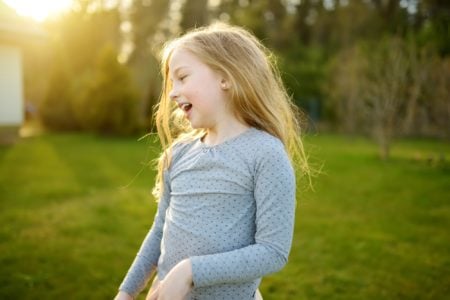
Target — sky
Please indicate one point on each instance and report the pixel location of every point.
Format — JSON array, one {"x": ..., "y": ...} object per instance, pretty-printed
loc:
[{"x": 38, "y": 10}]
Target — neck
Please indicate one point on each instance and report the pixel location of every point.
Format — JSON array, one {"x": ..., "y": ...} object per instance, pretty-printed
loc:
[{"x": 224, "y": 131}]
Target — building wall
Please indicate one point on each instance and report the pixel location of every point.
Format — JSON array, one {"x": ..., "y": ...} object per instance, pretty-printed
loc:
[{"x": 11, "y": 87}]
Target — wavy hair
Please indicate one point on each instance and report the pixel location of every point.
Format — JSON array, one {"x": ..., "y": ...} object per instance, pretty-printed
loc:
[{"x": 258, "y": 96}]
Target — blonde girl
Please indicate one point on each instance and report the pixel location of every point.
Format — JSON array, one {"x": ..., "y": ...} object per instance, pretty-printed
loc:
[{"x": 226, "y": 182}]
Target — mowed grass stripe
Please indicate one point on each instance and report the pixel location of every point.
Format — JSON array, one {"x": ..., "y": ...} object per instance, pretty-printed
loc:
[{"x": 75, "y": 208}]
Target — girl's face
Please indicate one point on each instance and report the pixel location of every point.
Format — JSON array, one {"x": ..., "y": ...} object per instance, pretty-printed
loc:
[{"x": 198, "y": 90}]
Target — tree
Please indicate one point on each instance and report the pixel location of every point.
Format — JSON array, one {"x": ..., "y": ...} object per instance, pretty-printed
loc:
[
  {"x": 194, "y": 13},
  {"x": 109, "y": 104},
  {"x": 344, "y": 89},
  {"x": 80, "y": 33},
  {"x": 433, "y": 24},
  {"x": 146, "y": 18},
  {"x": 74, "y": 41},
  {"x": 435, "y": 104},
  {"x": 382, "y": 89},
  {"x": 55, "y": 110}
]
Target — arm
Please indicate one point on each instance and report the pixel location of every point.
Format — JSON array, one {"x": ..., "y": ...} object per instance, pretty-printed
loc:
[
  {"x": 274, "y": 193},
  {"x": 144, "y": 265}
]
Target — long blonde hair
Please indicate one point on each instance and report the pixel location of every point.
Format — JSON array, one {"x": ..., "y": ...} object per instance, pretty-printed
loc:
[{"x": 258, "y": 96}]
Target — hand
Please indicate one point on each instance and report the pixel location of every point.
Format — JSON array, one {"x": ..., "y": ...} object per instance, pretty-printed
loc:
[
  {"x": 123, "y": 296},
  {"x": 153, "y": 287},
  {"x": 176, "y": 285}
]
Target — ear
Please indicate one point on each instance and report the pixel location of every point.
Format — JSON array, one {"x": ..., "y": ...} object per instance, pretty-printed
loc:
[{"x": 224, "y": 84}]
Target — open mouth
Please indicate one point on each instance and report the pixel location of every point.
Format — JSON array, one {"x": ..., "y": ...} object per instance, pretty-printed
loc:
[{"x": 186, "y": 106}]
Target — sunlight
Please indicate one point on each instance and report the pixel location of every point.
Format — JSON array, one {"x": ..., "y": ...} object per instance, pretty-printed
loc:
[{"x": 38, "y": 10}]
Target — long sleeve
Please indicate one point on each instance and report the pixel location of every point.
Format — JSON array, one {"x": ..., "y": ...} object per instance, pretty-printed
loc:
[
  {"x": 274, "y": 193},
  {"x": 147, "y": 257}
]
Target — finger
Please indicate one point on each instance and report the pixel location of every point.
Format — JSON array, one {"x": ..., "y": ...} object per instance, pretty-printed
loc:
[
  {"x": 152, "y": 288},
  {"x": 154, "y": 285},
  {"x": 153, "y": 295}
]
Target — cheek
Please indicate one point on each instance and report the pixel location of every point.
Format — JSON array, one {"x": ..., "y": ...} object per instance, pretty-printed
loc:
[
  {"x": 202, "y": 94},
  {"x": 197, "y": 96}
]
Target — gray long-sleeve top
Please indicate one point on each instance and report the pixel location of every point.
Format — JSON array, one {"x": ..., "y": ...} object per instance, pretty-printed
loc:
[{"x": 229, "y": 208}]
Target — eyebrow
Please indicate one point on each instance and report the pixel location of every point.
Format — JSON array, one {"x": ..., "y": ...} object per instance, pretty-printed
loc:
[{"x": 177, "y": 69}]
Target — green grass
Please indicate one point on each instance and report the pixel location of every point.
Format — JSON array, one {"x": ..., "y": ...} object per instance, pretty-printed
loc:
[{"x": 75, "y": 208}]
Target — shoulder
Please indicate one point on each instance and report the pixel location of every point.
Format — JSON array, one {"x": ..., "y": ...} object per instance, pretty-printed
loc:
[
  {"x": 264, "y": 144},
  {"x": 268, "y": 151},
  {"x": 269, "y": 141},
  {"x": 179, "y": 147}
]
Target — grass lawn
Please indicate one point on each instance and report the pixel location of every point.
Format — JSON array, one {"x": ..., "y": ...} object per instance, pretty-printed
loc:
[{"x": 74, "y": 210}]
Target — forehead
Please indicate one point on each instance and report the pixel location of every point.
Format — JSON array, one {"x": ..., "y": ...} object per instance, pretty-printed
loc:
[{"x": 183, "y": 58}]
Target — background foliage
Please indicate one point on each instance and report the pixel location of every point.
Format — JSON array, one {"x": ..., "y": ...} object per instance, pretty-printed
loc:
[{"x": 374, "y": 68}]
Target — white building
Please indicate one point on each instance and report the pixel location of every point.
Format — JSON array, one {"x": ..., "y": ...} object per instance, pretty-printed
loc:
[
  {"x": 11, "y": 87},
  {"x": 14, "y": 34}
]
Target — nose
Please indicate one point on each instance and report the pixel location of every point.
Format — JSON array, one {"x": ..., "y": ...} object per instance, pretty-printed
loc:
[{"x": 173, "y": 94}]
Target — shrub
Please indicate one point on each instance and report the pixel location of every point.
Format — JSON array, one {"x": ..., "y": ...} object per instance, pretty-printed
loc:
[
  {"x": 55, "y": 110},
  {"x": 108, "y": 103}
]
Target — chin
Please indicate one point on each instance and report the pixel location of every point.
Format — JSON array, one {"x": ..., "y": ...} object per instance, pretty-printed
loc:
[{"x": 195, "y": 125}]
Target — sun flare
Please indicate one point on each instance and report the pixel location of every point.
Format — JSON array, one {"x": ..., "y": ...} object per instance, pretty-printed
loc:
[{"x": 38, "y": 10}]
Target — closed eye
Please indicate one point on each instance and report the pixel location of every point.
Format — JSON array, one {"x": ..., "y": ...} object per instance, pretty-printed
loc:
[{"x": 183, "y": 77}]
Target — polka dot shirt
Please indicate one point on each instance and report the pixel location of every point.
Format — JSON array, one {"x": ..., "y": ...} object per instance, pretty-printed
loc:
[{"x": 230, "y": 209}]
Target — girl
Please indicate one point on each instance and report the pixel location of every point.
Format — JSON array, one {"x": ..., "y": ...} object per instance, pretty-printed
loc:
[{"x": 226, "y": 183}]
